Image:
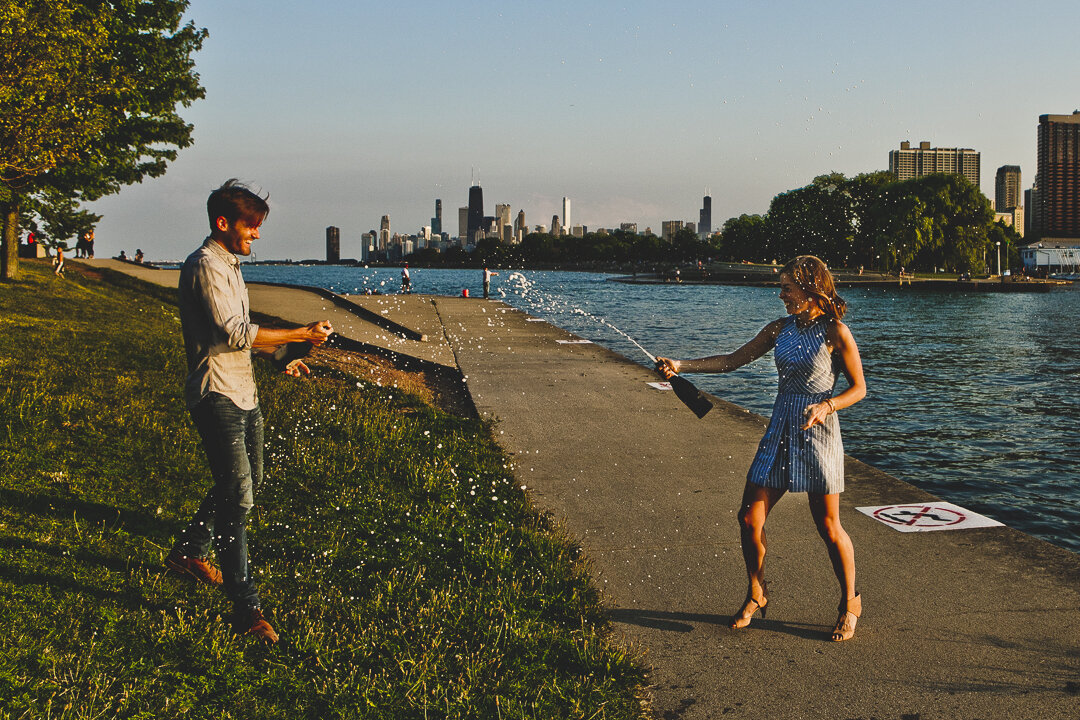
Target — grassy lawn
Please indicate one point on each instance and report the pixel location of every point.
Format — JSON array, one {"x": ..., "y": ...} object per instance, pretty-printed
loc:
[{"x": 397, "y": 556}]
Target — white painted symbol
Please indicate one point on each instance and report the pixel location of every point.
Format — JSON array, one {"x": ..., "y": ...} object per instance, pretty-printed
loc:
[
  {"x": 923, "y": 517},
  {"x": 534, "y": 319},
  {"x": 574, "y": 342},
  {"x": 660, "y": 385}
]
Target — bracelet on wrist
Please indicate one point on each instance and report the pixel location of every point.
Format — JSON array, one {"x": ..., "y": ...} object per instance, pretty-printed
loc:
[{"x": 832, "y": 405}]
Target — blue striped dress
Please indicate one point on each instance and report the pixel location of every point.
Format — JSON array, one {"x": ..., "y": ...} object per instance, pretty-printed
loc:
[{"x": 789, "y": 457}]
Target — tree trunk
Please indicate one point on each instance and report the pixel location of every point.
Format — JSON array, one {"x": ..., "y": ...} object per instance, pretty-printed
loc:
[{"x": 9, "y": 258}]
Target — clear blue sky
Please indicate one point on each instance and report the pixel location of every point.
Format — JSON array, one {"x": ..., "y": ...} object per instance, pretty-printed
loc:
[{"x": 346, "y": 111}]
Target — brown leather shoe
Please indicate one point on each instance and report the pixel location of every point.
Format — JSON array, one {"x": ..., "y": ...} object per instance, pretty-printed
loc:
[
  {"x": 190, "y": 567},
  {"x": 250, "y": 621}
]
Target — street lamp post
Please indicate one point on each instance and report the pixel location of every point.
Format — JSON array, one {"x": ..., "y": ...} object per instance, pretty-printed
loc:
[{"x": 998, "y": 243}]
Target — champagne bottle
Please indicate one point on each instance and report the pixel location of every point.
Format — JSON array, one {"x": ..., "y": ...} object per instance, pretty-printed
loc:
[
  {"x": 289, "y": 352},
  {"x": 690, "y": 395}
]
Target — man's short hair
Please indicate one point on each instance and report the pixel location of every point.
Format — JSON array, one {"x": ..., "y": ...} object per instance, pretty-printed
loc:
[{"x": 236, "y": 201}]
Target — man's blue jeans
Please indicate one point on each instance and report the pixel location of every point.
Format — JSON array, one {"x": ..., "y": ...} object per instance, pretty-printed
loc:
[{"x": 233, "y": 440}]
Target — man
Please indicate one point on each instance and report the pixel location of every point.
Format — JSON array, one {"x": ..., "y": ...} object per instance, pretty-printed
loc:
[
  {"x": 406, "y": 279},
  {"x": 220, "y": 392},
  {"x": 487, "y": 281}
]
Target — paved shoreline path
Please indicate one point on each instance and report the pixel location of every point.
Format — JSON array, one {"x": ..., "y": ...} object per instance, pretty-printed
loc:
[{"x": 976, "y": 623}]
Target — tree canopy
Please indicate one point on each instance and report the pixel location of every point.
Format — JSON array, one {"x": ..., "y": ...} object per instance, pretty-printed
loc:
[
  {"x": 937, "y": 221},
  {"x": 89, "y": 91}
]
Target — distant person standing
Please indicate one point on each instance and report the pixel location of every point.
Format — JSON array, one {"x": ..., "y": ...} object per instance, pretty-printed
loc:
[
  {"x": 406, "y": 279},
  {"x": 80, "y": 246},
  {"x": 58, "y": 261},
  {"x": 487, "y": 281},
  {"x": 90, "y": 243},
  {"x": 220, "y": 392},
  {"x": 139, "y": 255}
]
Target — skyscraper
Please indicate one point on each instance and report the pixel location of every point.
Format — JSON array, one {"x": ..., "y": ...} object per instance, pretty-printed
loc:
[
  {"x": 520, "y": 228},
  {"x": 436, "y": 222},
  {"x": 566, "y": 212},
  {"x": 367, "y": 245},
  {"x": 907, "y": 162},
  {"x": 384, "y": 233},
  {"x": 1007, "y": 188},
  {"x": 1056, "y": 211},
  {"x": 704, "y": 226},
  {"x": 463, "y": 225},
  {"x": 476, "y": 214},
  {"x": 502, "y": 220},
  {"x": 556, "y": 226},
  {"x": 333, "y": 244}
]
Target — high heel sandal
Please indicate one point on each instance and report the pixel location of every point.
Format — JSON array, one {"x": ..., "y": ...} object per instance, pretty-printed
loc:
[
  {"x": 753, "y": 605},
  {"x": 849, "y": 613}
]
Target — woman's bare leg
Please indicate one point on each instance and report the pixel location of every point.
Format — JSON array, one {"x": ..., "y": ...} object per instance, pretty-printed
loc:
[
  {"x": 756, "y": 503},
  {"x": 826, "y": 512}
]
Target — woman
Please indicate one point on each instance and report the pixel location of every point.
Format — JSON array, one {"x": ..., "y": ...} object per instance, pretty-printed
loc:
[{"x": 802, "y": 450}]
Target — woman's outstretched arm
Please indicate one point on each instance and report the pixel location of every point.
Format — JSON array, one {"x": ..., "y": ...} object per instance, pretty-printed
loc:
[{"x": 758, "y": 346}]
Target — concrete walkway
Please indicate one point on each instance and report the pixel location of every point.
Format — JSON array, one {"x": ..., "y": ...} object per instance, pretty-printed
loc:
[{"x": 972, "y": 624}]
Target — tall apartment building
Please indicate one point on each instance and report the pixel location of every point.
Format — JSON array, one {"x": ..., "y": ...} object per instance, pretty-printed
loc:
[
  {"x": 463, "y": 225},
  {"x": 1007, "y": 192},
  {"x": 1056, "y": 211},
  {"x": 368, "y": 245},
  {"x": 908, "y": 162},
  {"x": 668, "y": 228},
  {"x": 333, "y": 244},
  {"x": 566, "y": 213}
]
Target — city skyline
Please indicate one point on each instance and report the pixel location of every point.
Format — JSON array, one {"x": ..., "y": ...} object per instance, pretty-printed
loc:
[{"x": 345, "y": 113}]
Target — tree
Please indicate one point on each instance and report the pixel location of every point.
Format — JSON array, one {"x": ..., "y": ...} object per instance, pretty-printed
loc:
[
  {"x": 89, "y": 91},
  {"x": 744, "y": 238},
  {"x": 814, "y": 220}
]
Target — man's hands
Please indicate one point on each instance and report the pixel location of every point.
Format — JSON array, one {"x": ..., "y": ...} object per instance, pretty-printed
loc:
[
  {"x": 269, "y": 341},
  {"x": 317, "y": 332},
  {"x": 297, "y": 368}
]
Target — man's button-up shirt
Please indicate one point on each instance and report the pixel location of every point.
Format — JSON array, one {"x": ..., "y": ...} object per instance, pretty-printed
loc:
[{"x": 217, "y": 327}]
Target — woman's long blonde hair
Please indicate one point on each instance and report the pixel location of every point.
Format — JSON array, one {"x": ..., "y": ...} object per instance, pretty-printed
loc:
[{"x": 812, "y": 276}]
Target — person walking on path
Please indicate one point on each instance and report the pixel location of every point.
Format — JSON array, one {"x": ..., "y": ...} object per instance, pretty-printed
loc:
[
  {"x": 220, "y": 393},
  {"x": 487, "y": 281},
  {"x": 802, "y": 450}
]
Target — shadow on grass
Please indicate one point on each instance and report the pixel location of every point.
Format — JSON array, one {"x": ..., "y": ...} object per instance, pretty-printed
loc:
[
  {"x": 85, "y": 557},
  {"x": 685, "y": 622},
  {"x": 66, "y": 584},
  {"x": 135, "y": 522}
]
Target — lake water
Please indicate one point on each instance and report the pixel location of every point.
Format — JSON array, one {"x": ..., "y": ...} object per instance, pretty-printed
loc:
[{"x": 974, "y": 397}]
